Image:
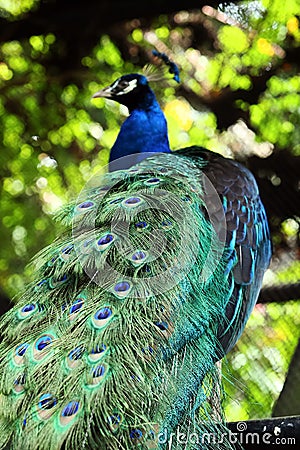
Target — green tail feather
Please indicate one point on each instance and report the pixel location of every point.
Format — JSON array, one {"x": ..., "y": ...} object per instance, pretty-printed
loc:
[{"x": 116, "y": 341}]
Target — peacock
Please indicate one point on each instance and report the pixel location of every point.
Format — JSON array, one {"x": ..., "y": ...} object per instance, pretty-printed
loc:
[{"x": 114, "y": 344}]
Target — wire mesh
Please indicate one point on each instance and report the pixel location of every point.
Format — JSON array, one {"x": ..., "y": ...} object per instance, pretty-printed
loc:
[{"x": 256, "y": 369}]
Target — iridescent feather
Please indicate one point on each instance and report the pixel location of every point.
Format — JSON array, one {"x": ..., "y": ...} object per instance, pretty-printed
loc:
[{"x": 114, "y": 344}]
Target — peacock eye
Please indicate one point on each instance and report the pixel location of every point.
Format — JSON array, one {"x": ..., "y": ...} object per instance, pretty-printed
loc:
[{"x": 121, "y": 87}]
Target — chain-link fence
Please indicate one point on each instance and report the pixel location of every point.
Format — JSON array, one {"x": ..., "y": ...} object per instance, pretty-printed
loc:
[{"x": 262, "y": 373}]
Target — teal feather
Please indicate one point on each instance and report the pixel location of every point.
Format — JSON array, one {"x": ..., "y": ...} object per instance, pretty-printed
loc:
[
  {"x": 68, "y": 316},
  {"x": 114, "y": 344}
]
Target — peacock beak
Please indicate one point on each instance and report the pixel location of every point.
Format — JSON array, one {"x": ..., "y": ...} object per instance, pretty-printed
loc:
[{"x": 105, "y": 93}]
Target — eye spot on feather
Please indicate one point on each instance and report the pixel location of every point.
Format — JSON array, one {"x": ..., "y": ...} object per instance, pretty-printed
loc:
[
  {"x": 187, "y": 199},
  {"x": 76, "y": 353},
  {"x": 41, "y": 284},
  {"x": 132, "y": 202},
  {"x": 138, "y": 257},
  {"x": 151, "y": 435},
  {"x": 56, "y": 282},
  {"x": 97, "y": 373},
  {"x": 74, "y": 357},
  {"x": 161, "y": 308},
  {"x": 135, "y": 378},
  {"x": 70, "y": 409},
  {"x": 148, "y": 352},
  {"x": 97, "y": 352},
  {"x": 84, "y": 206},
  {"x": 152, "y": 181},
  {"x": 105, "y": 241},
  {"x": 163, "y": 326},
  {"x": 87, "y": 246},
  {"x": 68, "y": 249},
  {"x": 42, "y": 342},
  {"x": 87, "y": 204},
  {"x": 69, "y": 412},
  {"x": 194, "y": 188},
  {"x": 166, "y": 224},
  {"x": 114, "y": 421},
  {"x": 19, "y": 383},
  {"x": 122, "y": 289},
  {"x": 46, "y": 403},
  {"x": 116, "y": 201},
  {"x": 163, "y": 170},
  {"x": 27, "y": 311},
  {"x": 102, "y": 317},
  {"x": 103, "y": 189},
  {"x": 103, "y": 313},
  {"x": 41, "y": 346},
  {"x": 136, "y": 434},
  {"x": 20, "y": 351},
  {"x": 52, "y": 261},
  {"x": 142, "y": 225},
  {"x": 76, "y": 306},
  {"x": 24, "y": 423},
  {"x": 66, "y": 252},
  {"x": 147, "y": 269},
  {"x": 99, "y": 348}
]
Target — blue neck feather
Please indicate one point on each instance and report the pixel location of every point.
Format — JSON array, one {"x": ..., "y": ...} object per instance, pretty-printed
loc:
[{"x": 144, "y": 131}]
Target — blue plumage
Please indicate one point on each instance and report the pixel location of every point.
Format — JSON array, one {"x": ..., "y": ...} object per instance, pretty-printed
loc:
[{"x": 145, "y": 130}]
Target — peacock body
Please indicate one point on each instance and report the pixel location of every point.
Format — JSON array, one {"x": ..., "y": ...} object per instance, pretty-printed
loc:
[{"x": 114, "y": 344}]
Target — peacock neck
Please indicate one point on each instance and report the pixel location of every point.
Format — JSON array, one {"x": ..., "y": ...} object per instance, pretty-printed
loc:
[{"x": 143, "y": 132}]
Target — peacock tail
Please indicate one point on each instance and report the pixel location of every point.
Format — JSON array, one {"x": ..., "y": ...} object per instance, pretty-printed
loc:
[{"x": 111, "y": 346}]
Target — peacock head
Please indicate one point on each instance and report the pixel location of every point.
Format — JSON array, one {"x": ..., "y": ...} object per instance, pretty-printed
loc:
[
  {"x": 133, "y": 90},
  {"x": 130, "y": 90}
]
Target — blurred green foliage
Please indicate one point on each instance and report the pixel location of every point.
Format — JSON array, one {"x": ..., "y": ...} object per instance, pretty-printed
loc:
[
  {"x": 16, "y": 8},
  {"x": 54, "y": 138},
  {"x": 282, "y": 99}
]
